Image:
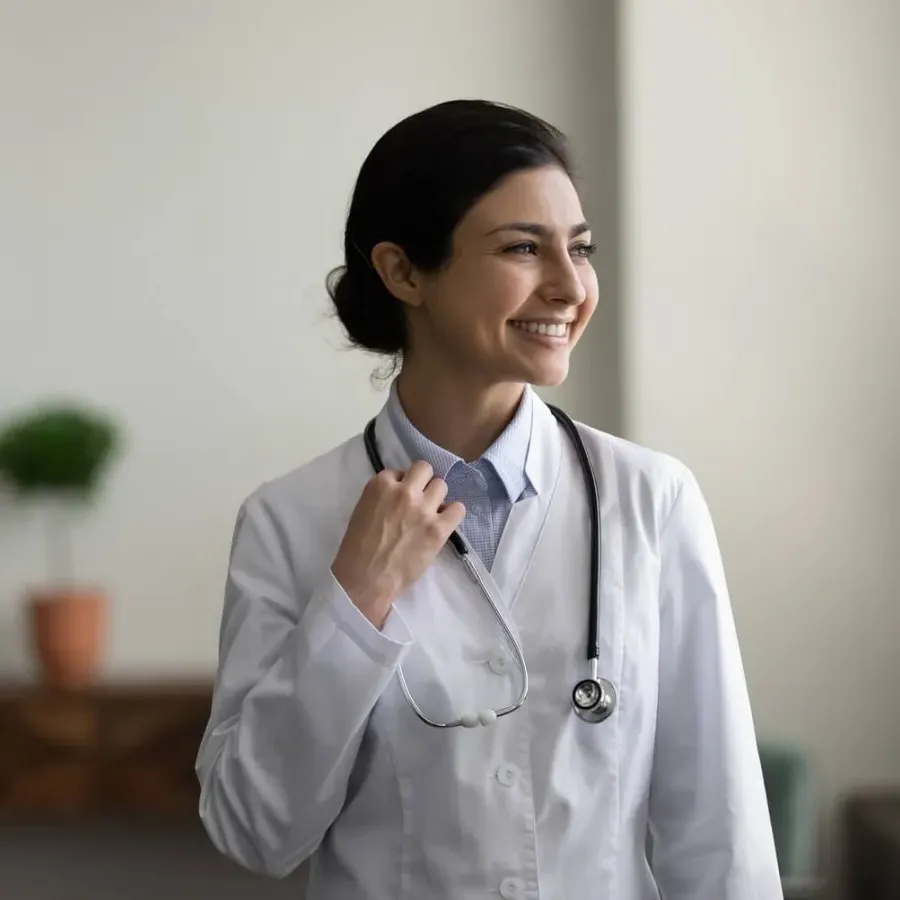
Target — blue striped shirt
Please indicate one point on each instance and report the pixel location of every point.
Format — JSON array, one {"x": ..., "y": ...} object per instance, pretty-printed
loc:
[{"x": 487, "y": 487}]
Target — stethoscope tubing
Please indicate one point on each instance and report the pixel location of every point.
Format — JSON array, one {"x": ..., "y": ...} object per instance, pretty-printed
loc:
[
  {"x": 593, "y": 495},
  {"x": 462, "y": 550}
]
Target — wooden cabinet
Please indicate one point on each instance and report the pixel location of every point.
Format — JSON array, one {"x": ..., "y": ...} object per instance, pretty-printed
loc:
[{"x": 114, "y": 749}]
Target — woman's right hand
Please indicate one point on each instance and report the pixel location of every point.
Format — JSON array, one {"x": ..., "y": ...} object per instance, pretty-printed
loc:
[{"x": 395, "y": 531}]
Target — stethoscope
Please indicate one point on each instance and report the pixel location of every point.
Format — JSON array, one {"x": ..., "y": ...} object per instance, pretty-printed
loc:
[{"x": 594, "y": 699}]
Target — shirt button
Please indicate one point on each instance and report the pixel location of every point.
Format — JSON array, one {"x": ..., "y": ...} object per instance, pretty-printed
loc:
[
  {"x": 507, "y": 775},
  {"x": 512, "y": 888},
  {"x": 500, "y": 665}
]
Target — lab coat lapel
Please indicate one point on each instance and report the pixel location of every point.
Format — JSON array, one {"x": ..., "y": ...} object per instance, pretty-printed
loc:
[
  {"x": 529, "y": 516},
  {"x": 540, "y": 534}
]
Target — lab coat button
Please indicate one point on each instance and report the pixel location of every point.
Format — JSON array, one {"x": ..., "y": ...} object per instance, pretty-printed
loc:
[
  {"x": 512, "y": 888},
  {"x": 499, "y": 665},
  {"x": 507, "y": 775}
]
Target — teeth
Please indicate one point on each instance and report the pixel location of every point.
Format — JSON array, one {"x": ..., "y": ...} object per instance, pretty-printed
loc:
[{"x": 558, "y": 330}]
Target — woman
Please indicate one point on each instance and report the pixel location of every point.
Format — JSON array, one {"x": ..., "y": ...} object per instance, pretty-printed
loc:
[{"x": 468, "y": 262}]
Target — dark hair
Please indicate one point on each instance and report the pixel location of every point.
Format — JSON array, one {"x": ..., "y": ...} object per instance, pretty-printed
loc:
[{"x": 415, "y": 185}]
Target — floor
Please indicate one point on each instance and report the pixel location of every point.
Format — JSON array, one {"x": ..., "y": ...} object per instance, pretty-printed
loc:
[
  {"x": 137, "y": 861},
  {"x": 131, "y": 861}
]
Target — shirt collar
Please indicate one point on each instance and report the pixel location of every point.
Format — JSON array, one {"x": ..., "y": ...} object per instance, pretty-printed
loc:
[{"x": 508, "y": 455}]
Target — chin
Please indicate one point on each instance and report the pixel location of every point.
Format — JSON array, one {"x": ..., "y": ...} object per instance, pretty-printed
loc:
[
  {"x": 547, "y": 375},
  {"x": 550, "y": 382}
]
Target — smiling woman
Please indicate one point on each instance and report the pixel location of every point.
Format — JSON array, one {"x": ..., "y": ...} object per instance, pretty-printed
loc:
[
  {"x": 465, "y": 223},
  {"x": 500, "y": 272},
  {"x": 410, "y": 723}
]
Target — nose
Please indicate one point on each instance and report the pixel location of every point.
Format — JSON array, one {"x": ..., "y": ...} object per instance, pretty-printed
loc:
[{"x": 562, "y": 282}]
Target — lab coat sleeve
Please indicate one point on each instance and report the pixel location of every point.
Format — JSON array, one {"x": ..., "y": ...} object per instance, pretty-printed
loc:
[
  {"x": 300, "y": 670},
  {"x": 711, "y": 834}
]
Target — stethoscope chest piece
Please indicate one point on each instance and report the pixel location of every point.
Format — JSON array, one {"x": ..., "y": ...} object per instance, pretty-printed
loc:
[{"x": 594, "y": 699}]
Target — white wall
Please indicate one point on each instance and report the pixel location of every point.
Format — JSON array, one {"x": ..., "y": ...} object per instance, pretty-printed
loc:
[
  {"x": 173, "y": 178},
  {"x": 761, "y": 292}
]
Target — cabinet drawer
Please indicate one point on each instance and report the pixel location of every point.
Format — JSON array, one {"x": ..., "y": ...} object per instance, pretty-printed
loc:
[
  {"x": 47, "y": 786},
  {"x": 52, "y": 721},
  {"x": 119, "y": 749}
]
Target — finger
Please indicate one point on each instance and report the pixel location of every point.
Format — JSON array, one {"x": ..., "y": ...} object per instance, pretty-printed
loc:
[
  {"x": 452, "y": 514},
  {"x": 418, "y": 475},
  {"x": 436, "y": 493},
  {"x": 390, "y": 475}
]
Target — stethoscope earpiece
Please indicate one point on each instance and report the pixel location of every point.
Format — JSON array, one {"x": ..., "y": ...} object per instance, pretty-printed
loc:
[{"x": 594, "y": 699}]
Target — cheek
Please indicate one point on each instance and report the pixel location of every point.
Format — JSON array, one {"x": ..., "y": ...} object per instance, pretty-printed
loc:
[
  {"x": 592, "y": 294},
  {"x": 588, "y": 308},
  {"x": 505, "y": 289},
  {"x": 485, "y": 296}
]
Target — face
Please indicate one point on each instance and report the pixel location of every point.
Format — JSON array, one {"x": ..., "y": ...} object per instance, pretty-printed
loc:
[{"x": 519, "y": 290}]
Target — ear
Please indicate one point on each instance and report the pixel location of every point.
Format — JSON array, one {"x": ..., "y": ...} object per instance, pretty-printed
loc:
[{"x": 396, "y": 272}]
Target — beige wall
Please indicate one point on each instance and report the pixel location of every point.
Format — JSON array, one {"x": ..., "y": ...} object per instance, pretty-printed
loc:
[
  {"x": 173, "y": 178},
  {"x": 762, "y": 336}
]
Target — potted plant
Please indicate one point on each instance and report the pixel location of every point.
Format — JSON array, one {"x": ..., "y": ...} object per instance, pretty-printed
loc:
[{"x": 56, "y": 455}]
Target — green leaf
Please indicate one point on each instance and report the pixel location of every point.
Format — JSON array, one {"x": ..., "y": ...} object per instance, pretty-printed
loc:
[{"x": 62, "y": 448}]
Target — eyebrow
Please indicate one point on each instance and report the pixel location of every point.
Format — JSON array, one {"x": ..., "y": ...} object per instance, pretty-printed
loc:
[{"x": 539, "y": 230}]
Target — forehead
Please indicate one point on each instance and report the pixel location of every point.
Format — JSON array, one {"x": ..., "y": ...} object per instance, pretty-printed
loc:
[{"x": 543, "y": 196}]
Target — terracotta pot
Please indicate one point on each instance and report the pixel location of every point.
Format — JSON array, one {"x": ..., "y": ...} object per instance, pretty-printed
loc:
[{"x": 68, "y": 632}]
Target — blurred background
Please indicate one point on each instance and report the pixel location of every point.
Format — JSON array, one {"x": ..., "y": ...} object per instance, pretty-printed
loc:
[{"x": 173, "y": 181}]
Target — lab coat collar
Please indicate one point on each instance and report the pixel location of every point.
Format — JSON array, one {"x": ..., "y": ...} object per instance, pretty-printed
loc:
[
  {"x": 541, "y": 463},
  {"x": 507, "y": 455}
]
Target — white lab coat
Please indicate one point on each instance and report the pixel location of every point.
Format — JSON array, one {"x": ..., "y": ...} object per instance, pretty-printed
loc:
[{"x": 312, "y": 750}]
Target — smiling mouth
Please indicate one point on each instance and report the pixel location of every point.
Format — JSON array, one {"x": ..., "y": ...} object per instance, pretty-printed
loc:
[{"x": 550, "y": 329}]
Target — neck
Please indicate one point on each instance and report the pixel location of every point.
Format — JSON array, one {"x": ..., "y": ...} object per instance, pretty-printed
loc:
[{"x": 461, "y": 414}]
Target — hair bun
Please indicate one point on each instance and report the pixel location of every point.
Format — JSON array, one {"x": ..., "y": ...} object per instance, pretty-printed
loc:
[{"x": 372, "y": 318}]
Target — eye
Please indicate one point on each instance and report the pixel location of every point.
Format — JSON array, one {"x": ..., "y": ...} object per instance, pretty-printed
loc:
[
  {"x": 583, "y": 251},
  {"x": 522, "y": 248}
]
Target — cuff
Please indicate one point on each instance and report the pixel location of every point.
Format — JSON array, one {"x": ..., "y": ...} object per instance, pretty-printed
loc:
[{"x": 385, "y": 646}]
